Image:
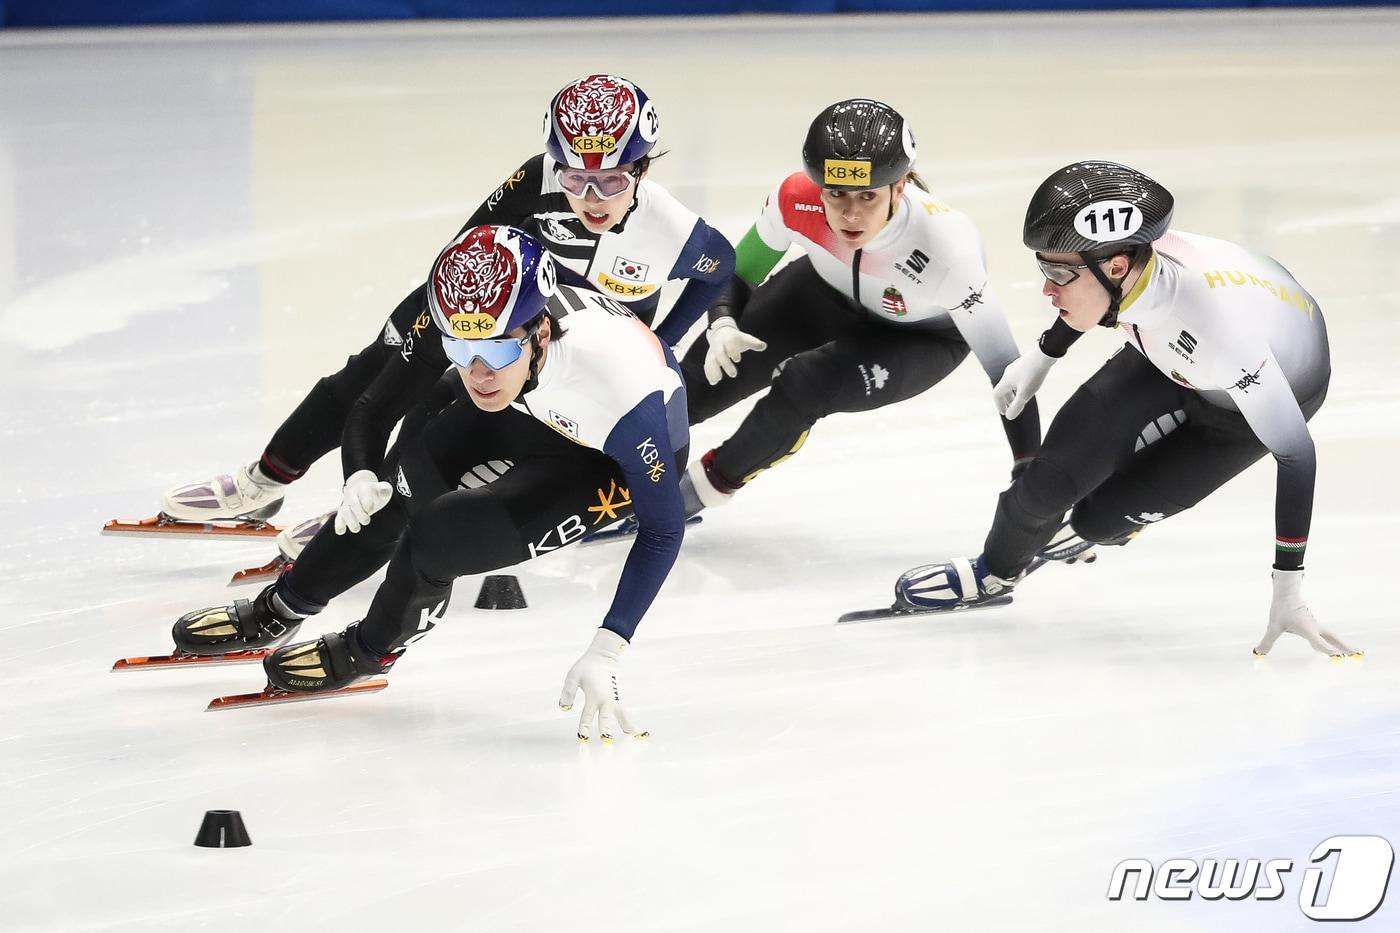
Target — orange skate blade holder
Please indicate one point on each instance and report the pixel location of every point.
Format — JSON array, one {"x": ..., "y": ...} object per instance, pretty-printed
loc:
[
  {"x": 268, "y": 571},
  {"x": 271, "y": 696},
  {"x": 158, "y": 662},
  {"x": 165, "y": 525}
]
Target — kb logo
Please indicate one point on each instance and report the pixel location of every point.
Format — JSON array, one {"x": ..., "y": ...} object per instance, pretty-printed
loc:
[
  {"x": 1359, "y": 878},
  {"x": 846, "y": 172}
]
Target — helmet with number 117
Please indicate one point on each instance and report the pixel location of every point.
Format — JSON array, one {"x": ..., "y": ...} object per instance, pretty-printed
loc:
[
  {"x": 1096, "y": 210},
  {"x": 600, "y": 122}
]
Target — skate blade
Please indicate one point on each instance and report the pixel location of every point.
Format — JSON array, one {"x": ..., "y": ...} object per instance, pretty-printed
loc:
[
  {"x": 904, "y": 612},
  {"x": 268, "y": 571},
  {"x": 164, "y": 525},
  {"x": 271, "y": 696},
  {"x": 158, "y": 662}
]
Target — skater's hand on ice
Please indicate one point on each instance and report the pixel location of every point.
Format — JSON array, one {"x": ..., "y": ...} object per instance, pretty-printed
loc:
[
  {"x": 596, "y": 675},
  {"x": 727, "y": 344},
  {"x": 1289, "y": 613},
  {"x": 364, "y": 495},
  {"x": 1020, "y": 381}
]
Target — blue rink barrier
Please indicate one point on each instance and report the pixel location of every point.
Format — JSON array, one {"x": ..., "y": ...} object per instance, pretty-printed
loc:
[{"x": 158, "y": 12}]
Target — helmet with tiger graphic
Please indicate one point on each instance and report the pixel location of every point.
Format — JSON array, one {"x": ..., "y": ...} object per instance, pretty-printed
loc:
[
  {"x": 601, "y": 121},
  {"x": 489, "y": 281}
]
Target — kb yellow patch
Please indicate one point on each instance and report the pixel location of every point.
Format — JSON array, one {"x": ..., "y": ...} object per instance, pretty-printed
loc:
[
  {"x": 587, "y": 144},
  {"x": 472, "y": 326},
  {"x": 846, "y": 172},
  {"x": 624, "y": 289}
]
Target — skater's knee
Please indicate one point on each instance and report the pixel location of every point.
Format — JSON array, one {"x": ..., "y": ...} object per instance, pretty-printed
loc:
[
  {"x": 807, "y": 384},
  {"x": 1044, "y": 490},
  {"x": 459, "y": 534},
  {"x": 1120, "y": 507},
  {"x": 1093, "y": 522}
]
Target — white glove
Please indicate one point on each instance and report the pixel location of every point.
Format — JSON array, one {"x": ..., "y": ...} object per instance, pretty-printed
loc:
[
  {"x": 727, "y": 344},
  {"x": 363, "y": 496},
  {"x": 1288, "y": 613},
  {"x": 1020, "y": 381},
  {"x": 596, "y": 674}
]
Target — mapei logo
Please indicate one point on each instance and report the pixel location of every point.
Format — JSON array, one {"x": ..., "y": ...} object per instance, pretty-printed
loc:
[
  {"x": 651, "y": 456},
  {"x": 808, "y": 208},
  {"x": 1358, "y": 880}
]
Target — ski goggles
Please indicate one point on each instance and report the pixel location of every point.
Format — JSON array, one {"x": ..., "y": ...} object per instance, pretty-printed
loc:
[
  {"x": 607, "y": 183},
  {"x": 1061, "y": 273},
  {"x": 497, "y": 353}
]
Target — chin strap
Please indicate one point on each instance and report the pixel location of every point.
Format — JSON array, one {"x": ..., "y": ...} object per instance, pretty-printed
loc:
[
  {"x": 533, "y": 379},
  {"x": 1114, "y": 289},
  {"x": 636, "y": 200}
]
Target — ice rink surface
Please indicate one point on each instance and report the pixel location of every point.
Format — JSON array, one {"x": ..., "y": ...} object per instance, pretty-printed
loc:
[{"x": 196, "y": 225}]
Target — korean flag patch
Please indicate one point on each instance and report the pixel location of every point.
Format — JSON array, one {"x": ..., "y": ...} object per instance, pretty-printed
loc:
[{"x": 630, "y": 271}]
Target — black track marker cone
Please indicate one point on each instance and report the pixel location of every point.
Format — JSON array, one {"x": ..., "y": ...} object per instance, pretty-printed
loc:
[
  {"x": 500, "y": 592},
  {"x": 222, "y": 829}
]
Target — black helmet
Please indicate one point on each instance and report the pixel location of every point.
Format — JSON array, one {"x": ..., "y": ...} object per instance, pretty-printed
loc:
[
  {"x": 1096, "y": 209},
  {"x": 858, "y": 143}
]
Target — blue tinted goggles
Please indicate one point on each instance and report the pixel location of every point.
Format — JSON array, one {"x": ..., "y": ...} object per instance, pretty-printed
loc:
[{"x": 494, "y": 354}]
